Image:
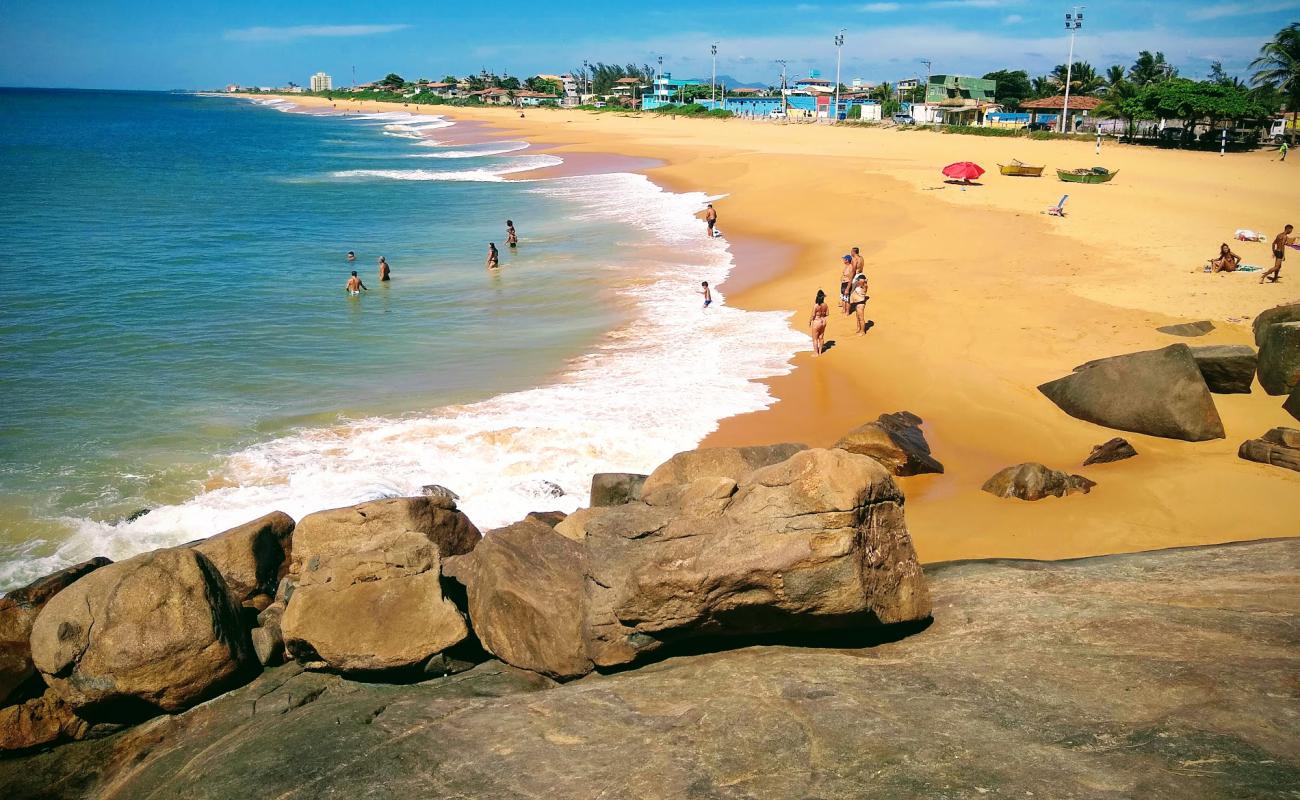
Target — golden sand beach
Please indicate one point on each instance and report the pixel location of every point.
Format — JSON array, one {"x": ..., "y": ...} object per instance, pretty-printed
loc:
[{"x": 977, "y": 298}]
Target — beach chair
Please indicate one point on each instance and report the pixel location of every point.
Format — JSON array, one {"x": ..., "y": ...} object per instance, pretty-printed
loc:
[{"x": 1058, "y": 210}]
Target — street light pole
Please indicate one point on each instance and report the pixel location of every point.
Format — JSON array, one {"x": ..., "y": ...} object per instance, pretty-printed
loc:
[
  {"x": 839, "y": 47},
  {"x": 1072, "y": 25},
  {"x": 713, "y": 85},
  {"x": 784, "y": 101}
]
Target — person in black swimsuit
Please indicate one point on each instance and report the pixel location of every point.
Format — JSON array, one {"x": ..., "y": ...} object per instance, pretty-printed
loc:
[{"x": 1279, "y": 254}]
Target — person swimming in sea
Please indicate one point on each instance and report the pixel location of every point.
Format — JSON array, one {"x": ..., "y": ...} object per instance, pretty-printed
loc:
[
  {"x": 708, "y": 295},
  {"x": 355, "y": 285},
  {"x": 493, "y": 257},
  {"x": 351, "y": 256},
  {"x": 384, "y": 272},
  {"x": 512, "y": 238}
]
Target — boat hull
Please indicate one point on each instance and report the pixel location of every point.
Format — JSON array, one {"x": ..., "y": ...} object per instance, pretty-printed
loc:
[
  {"x": 1020, "y": 170},
  {"x": 1085, "y": 177}
]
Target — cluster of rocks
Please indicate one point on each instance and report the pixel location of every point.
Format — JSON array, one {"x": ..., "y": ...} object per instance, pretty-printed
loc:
[{"x": 715, "y": 546}]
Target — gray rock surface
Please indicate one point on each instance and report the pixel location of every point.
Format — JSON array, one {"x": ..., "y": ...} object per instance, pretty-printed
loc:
[
  {"x": 252, "y": 557},
  {"x": 1279, "y": 358},
  {"x": 670, "y": 477},
  {"x": 1156, "y": 392},
  {"x": 1287, "y": 312},
  {"x": 1033, "y": 481},
  {"x": 894, "y": 440},
  {"x": 1280, "y": 447},
  {"x": 157, "y": 632},
  {"x": 1116, "y": 449},
  {"x": 18, "y": 611},
  {"x": 1199, "y": 328},
  {"x": 1161, "y": 676},
  {"x": 1227, "y": 368},
  {"x": 615, "y": 488}
]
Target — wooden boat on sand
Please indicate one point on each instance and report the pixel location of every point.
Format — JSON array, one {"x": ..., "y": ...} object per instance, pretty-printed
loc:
[
  {"x": 1020, "y": 168},
  {"x": 1094, "y": 175}
]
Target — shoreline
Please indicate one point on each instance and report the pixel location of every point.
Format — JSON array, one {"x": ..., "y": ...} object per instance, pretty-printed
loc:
[{"x": 964, "y": 333}]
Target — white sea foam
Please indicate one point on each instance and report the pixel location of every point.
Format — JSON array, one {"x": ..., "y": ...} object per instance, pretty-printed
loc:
[
  {"x": 652, "y": 388},
  {"x": 494, "y": 173},
  {"x": 500, "y": 148}
]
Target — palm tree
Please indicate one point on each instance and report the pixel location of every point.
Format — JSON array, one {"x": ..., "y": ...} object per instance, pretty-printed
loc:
[
  {"x": 1114, "y": 75},
  {"x": 1150, "y": 69},
  {"x": 1042, "y": 86},
  {"x": 1278, "y": 66},
  {"x": 1083, "y": 78},
  {"x": 1121, "y": 102}
]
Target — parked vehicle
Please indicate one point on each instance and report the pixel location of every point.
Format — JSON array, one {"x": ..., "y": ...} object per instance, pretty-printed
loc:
[
  {"x": 903, "y": 119},
  {"x": 777, "y": 114},
  {"x": 1039, "y": 126}
]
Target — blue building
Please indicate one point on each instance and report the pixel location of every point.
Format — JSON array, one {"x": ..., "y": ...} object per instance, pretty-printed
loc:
[{"x": 667, "y": 91}]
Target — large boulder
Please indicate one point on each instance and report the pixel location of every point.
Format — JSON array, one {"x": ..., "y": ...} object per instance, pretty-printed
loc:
[
  {"x": 1227, "y": 368},
  {"x": 1287, "y": 312},
  {"x": 1279, "y": 358},
  {"x": 1280, "y": 447},
  {"x": 1156, "y": 392},
  {"x": 1199, "y": 328},
  {"x": 18, "y": 611},
  {"x": 1032, "y": 481},
  {"x": 252, "y": 557},
  {"x": 381, "y": 609},
  {"x": 524, "y": 585},
  {"x": 39, "y": 721},
  {"x": 815, "y": 541},
  {"x": 662, "y": 486},
  {"x": 1116, "y": 449},
  {"x": 894, "y": 440},
  {"x": 615, "y": 488},
  {"x": 1292, "y": 404},
  {"x": 157, "y": 632},
  {"x": 377, "y": 525}
]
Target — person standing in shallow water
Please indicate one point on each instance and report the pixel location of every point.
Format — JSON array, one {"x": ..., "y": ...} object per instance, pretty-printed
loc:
[
  {"x": 493, "y": 257},
  {"x": 817, "y": 322},
  {"x": 708, "y": 295},
  {"x": 384, "y": 272},
  {"x": 355, "y": 285},
  {"x": 710, "y": 219},
  {"x": 512, "y": 238}
]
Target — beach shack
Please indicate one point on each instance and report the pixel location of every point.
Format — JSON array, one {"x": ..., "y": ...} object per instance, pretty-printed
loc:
[{"x": 1080, "y": 106}]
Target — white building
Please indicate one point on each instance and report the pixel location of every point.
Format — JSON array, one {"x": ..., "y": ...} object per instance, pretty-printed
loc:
[{"x": 320, "y": 82}]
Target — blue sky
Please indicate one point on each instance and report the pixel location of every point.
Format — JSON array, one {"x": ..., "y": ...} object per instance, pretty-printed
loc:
[{"x": 145, "y": 44}]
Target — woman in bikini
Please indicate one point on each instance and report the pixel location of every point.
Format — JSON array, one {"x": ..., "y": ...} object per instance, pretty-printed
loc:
[
  {"x": 512, "y": 238},
  {"x": 493, "y": 258},
  {"x": 817, "y": 322},
  {"x": 1227, "y": 261}
]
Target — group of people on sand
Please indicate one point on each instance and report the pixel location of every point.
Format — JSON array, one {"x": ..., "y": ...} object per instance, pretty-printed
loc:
[
  {"x": 1228, "y": 261},
  {"x": 853, "y": 300}
]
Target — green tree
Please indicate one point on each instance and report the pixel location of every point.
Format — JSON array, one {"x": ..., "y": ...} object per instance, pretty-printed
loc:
[
  {"x": 1013, "y": 87},
  {"x": 1114, "y": 75},
  {"x": 507, "y": 82},
  {"x": 1041, "y": 86},
  {"x": 1123, "y": 101},
  {"x": 452, "y": 79},
  {"x": 1200, "y": 102},
  {"x": 544, "y": 85},
  {"x": 1149, "y": 69},
  {"x": 1083, "y": 78},
  {"x": 391, "y": 82},
  {"x": 1278, "y": 67}
]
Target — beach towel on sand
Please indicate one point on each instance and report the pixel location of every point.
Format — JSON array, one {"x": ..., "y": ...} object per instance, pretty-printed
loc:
[
  {"x": 1240, "y": 268},
  {"x": 1247, "y": 235}
]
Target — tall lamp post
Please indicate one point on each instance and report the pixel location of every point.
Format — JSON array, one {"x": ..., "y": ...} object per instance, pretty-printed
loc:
[
  {"x": 784, "y": 101},
  {"x": 713, "y": 85},
  {"x": 586, "y": 75},
  {"x": 1072, "y": 24},
  {"x": 839, "y": 47}
]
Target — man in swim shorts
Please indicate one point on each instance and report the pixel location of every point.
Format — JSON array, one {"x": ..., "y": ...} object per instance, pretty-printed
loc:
[
  {"x": 846, "y": 279},
  {"x": 858, "y": 263},
  {"x": 355, "y": 285},
  {"x": 1279, "y": 254},
  {"x": 710, "y": 219}
]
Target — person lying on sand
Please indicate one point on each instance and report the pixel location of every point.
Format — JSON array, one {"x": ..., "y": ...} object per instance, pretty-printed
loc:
[
  {"x": 1279, "y": 254},
  {"x": 1227, "y": 261}
]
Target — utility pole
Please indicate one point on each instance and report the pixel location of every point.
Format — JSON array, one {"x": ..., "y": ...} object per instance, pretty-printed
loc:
[
  {"x": 839, "y": 47},
  {"x": 354, "y": 77},
  {"x": 713, "y": 85},
  {"x": 586, "y": 74},
  {"x": 784, "y": 101},
  {"x": 1072, "y": 25}
]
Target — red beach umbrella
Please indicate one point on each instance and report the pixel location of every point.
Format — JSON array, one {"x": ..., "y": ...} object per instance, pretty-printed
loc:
[{"x": 963, "y": 171}]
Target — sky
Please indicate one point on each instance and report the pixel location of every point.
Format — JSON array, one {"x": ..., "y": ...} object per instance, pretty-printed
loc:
[{"x": 148, "y": 44}]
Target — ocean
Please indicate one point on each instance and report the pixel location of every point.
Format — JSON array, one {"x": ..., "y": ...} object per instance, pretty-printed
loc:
[{"x": 177, "y": 336}]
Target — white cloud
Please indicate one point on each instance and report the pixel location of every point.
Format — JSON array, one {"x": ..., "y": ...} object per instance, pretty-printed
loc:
[
  {"x": 971, "y": 3},
  {"x": 1220, "y": 10},
  {"x": 265, "y": 34},
  {"x": 1012, "y": 19},
  {"x": 879, "y": 8}
]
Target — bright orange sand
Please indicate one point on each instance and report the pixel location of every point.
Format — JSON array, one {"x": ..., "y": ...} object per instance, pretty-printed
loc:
[{"x": 978, "y": 297}]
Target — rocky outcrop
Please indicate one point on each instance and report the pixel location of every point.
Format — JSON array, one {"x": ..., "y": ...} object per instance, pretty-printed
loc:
[
  {"x": 1292, "y": 404},
  {"x": 524, "y": 586},
  {"x": 894, "y": 440},
  {"x": 18, "y": 611},
  {"x": 381, "y": 609},
  {"x": 41, "y": 720},
  {"x": 378, "y": 525},
  {"x": 1199, "y": 328},
  {"x": 548, "y": 518},
  {"x": 1033, "y": 481},
  {"x": 1116, "y": 449},
  {"x": 1287, "y": 312},
  {"x": 1163, "y": 676},
  {"x": 252, "y": 557},
  {"x": 710, "y": 462},
  {"x": 157, "y": 632},
  {"x": 615, "y": 488},
  {"x": 1227, "y": 368},
  {"x": 1279, "y": 447},
  {"x": 1156, "y": 392},
  {"x": 1279, "y": 358}
]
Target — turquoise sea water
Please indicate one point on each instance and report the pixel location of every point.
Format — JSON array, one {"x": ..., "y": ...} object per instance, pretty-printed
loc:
[{"x": 177, "y": 337}]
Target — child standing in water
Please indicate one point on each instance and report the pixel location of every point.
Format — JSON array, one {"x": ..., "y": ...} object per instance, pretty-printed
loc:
[
  {"x": 512, "y": 238},
  {"x": 708, "y": 296}
]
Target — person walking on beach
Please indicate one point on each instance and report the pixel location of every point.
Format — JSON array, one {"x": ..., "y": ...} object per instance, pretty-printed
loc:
[
  {"x": 817, "y": 322},
  {"x": 846, "y": 281},
  {"x": 1279, "y": 254},
  {"x": 512, "y": 238},
  {"x": 1283, "y": 149},
  {"x": 384, "y": 272},
  {"x": 708, "y": 295},
  {"x": 710, "y": 219},
  {"x": 493, "y": 258},
  {"x": 355, "y": 285}
]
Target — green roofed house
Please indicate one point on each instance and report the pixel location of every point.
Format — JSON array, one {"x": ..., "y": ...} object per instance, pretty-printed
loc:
[{"x": 957, "y": 100}]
